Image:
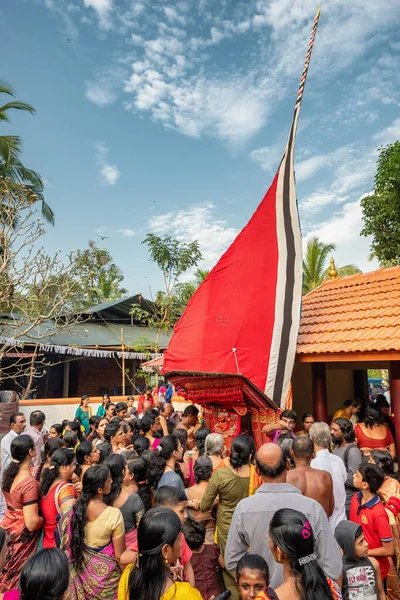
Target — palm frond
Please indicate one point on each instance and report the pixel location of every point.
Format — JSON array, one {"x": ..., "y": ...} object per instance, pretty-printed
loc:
[
  {"x": 6, "y": 89},
  {"x": 14, "y": 105},
  {"x": 10, "y": 147}
]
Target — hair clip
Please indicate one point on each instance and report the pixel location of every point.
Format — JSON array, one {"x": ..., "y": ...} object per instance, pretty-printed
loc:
[
  {"x": 304, "y": 560},
  {"x": 51, "y": 467},
  {"x": 159, "y": 448},
  {"x": 14, "y": 460},
  {"x": 306, "y": 532}
]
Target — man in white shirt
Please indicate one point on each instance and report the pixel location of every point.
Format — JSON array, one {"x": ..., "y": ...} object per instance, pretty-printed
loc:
[
  {"x": 17, "y": 426},
  {"x": 324, "y": 460}
]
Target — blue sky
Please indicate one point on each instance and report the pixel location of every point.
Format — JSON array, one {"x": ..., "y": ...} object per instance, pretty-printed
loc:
[{"x": 172, "y": 117}]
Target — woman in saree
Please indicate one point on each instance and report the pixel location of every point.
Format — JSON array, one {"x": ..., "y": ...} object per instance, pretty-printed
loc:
[
  {"x": 57, "y": 492},
  {"x": 93, "y": 536},
  {"x": 159, "y": 544},
  {"x": 230, "y": 485},
  {"x": 87, "y": 455},
  {"x": 149, "y": 426},
  {"x": 21, "y": 521}
]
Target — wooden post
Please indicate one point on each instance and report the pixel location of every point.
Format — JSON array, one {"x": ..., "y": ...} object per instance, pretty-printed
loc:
[
  {"x": 395, "y": 397},
  {"x": 360, "y": 383},
  {"x": 319, "y": 392},
  {"x": 66, "y": 379},
  {"x": 123, "y": 361}
]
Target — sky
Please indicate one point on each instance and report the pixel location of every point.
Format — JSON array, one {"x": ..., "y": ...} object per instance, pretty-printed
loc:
[{"x": 171, "y": 117}]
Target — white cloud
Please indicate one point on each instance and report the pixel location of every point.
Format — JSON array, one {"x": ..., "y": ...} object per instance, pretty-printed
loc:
[
  {"x": 199, "y": 223},
  {"x": 103, "y": 89},
  {"x": 389, "y": 134},
  {"x": 103, "y": 9},
  {"x": 127, "y": 232},
  {"x": 268, "y": 157},
  {"x": 109, "y": 173},
  {"x": 344, "y": 230}
]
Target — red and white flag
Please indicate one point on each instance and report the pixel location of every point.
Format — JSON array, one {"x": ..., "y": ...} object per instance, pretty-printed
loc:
[{"x": 245, "y": 316}]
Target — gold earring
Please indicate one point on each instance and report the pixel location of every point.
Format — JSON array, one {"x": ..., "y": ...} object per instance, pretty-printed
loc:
[{"x": 166, "y": 561}]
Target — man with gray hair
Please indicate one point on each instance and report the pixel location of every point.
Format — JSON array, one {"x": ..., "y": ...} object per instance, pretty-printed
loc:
[
  {"x": 252, "y": 516},
  {"x": 320, "y": 434}
]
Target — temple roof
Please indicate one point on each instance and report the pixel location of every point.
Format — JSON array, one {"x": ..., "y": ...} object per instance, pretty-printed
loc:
[{"x": 355, "y": 314}]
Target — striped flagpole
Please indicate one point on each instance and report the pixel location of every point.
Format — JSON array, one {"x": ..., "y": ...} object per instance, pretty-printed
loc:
[
  {"x": 307, "y": 62},
  {"x": 289, "y": 280}
]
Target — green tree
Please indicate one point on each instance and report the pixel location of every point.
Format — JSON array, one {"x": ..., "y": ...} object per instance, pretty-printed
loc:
[
  {"x": 200, "y": 275},
  {"x": 173, "y": 258},
  {"x": 10, "y": 155},
  {"x": 98, "y": 277},
  {"x": 381, "y": 209},
  {"x": 314, "y": 264}
]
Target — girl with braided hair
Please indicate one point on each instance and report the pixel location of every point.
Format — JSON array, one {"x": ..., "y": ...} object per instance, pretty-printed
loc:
[{"x": 93, "y": 535}]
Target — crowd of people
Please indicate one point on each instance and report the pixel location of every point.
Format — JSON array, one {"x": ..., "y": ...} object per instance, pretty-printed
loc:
[{"x": 144, "y": 503}]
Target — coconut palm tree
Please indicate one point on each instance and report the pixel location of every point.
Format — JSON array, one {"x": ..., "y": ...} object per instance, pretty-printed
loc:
[
  {"x": 10, "y": 152},
  {"x": 314, "y": 264},
  {"x": 200, "y": 276}
]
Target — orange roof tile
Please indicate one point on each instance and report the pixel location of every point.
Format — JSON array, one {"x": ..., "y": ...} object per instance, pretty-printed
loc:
[{"x": 359, "y": 313}]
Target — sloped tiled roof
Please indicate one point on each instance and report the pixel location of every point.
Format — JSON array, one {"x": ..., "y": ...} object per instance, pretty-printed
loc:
[{"x": 359, "y": 313}]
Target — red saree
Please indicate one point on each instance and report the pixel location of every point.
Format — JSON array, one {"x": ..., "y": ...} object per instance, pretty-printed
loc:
[{"x": 22, "y": 543}]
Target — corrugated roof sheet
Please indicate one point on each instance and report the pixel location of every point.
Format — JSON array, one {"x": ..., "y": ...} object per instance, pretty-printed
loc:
[{"x": 359, "y": 313}]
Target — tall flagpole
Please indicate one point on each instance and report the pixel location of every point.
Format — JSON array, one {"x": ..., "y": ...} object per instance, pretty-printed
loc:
[
  {"x": 307, "y": 62},
  {"x": 289, "y": 282}
]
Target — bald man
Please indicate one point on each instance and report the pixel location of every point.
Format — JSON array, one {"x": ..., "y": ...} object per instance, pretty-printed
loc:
[
  {"x": 252, "y": 516},
  {"x": 311, "y": 482}
]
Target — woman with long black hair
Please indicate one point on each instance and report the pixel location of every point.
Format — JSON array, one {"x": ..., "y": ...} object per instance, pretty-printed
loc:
[
  {"x": 113, "y": 434},
  {"x": 50, "y": 447},
  {"x": 87, "y": 455},
  {"x": 57, "y": 492},
  {"x": 164, "y": 468},
  {"x": 292, "y": 544},
  {"x": 231, "y": 484},
  {"x": 135, "y": 480},
  {"x": 93, "y": 535},
  {"x": 45, "y": 576},
  {"x": 149, "y": 426},
  {"x": 159, "y": 544},
  {"x": 21, "y": 521},
  {"x": 130, "y": 505}
]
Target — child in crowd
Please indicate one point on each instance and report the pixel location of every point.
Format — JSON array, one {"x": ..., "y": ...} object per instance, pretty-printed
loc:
[
  {"x": 361, "y": 574},
  {"x": 367, "y": 510},
  {"x": 175, "y": 499},
  {"x": 206, "y": 559},
  {"x": 71, "y": 439},
  {"x": 252, "y": 576}
]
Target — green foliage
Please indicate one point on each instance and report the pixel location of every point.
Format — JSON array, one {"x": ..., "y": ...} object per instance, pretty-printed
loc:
[
  {"x": 97, "y": 276},
  {"x": 381, "y": 209},
  {"x": 314, "y": 264},
  {"x": 10, "y": 155},
  {"x": 201, "y": 275},
  {"x": 173, "y": 258}
]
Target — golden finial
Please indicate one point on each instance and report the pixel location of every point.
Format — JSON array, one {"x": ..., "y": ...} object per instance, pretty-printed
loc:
[{"x": 332, "y": 271}]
